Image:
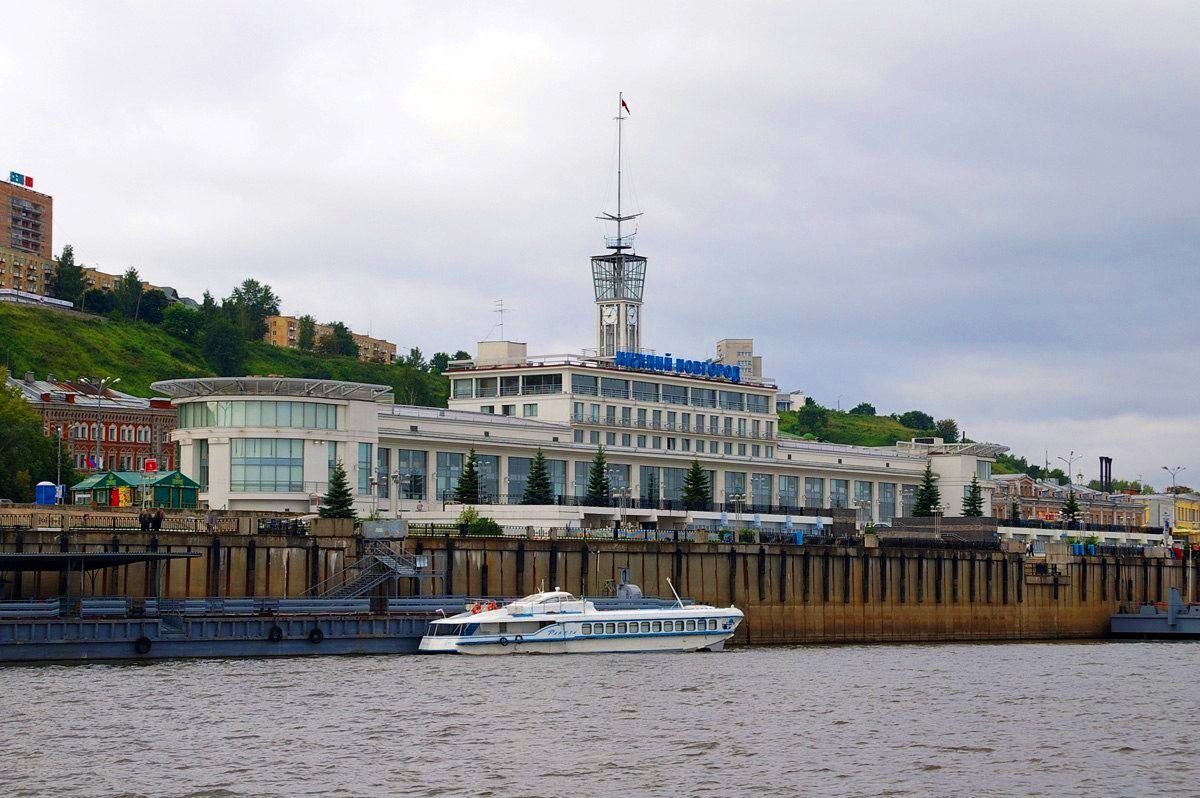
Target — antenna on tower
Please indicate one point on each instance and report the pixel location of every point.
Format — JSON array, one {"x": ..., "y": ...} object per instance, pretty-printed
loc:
[{"x": 499, "y": 308}]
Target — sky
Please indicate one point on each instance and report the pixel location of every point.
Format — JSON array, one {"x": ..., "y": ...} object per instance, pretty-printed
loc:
[{"x": 985, "y": 211}]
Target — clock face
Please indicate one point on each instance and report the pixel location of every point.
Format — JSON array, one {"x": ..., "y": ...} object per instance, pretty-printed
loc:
[{"x": 610, "y": 314}]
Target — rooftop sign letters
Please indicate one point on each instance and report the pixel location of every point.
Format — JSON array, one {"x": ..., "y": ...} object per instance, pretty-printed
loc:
[
  {"x": 669, "y": 365},
  {"x": 20, "y": 179}
]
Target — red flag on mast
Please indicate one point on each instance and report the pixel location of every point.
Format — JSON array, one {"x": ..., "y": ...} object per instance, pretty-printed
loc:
[{"x": 625, "y": 105}]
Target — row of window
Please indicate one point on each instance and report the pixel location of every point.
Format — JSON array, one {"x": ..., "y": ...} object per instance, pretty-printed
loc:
[
  {"x": 124, "y": 462},
  {"x": 527, "y": 410},
  {"x": 648, "y": 627},
  {"x": 125, "y": 433},
  {"x": 673, "y": 444},
  {"x": 613, "y": 387},
  {"x": 265, "y": 413},
  {"x": 671, "y": 420}
]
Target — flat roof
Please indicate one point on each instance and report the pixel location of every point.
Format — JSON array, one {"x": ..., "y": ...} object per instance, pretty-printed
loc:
[
  {"x": 201, "y": 387},
  {"x": 459, "y": 369}
]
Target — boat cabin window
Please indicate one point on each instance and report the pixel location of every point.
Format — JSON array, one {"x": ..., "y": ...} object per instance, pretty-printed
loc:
[
  {"x": 645, "y": 626},
  {"x": 610, "y": 628},
  {"x": 712, "y": 623},
  {"x": 691, "y": 626},
  {"x": 668, "y": 626},
  {"x": 621, "y": 628},
  {"x": 656, "y": 626},
  {"x": 587, "y": 629}
]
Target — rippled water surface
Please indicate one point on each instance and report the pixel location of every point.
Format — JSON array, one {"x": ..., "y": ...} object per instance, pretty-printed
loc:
[{"x": 1018, "y": 719}]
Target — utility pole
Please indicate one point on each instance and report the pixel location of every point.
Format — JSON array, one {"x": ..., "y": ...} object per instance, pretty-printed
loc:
[
  {"x": 1174, "y": 471},
  {"x": 58, "y": 467},
  {"x": 100, "y": 384}
]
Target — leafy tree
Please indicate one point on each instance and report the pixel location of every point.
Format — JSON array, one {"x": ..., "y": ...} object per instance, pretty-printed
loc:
[
  {"x": 338, "y": 501},
  {"x": 27, "y": 455},
  {"x": 697, "y": 493},
  {"x": 98, "y": 301},
  {"x": 928, "y": 499},
  {"x": 416, "y": 359},
  {"x": 810, "y": 402},
  {"x": 249, "y": 305},
  {"x": 154, "y": 306},
  {"x": 863, "y": 409},
  {"x": 222, "y": 343},
  {"x": 1070, "y": 510},
  {"x": 209, "y": 308},
  {"x": 460, "y": 355},
  {"x": 599, "y": 490},
  {"x": 947, "y": 430},
  {"x": 812, "y": 418},
  {"x": 339, "y": 341},
  {"x": 1014, "y": 512},
  {"x": 469, "y": 485},
  {"x": 973, "y": 503},
  {"x": 538, "y": 489},
  {"x": 128, "y": 294},
  {"x": 307, "y": 339},
  {"x": 439, "y": 362},
  {"x": 69, "y": 282},
  {"x": 182, "y": 322},
  {"x": 915, "y": 419}
]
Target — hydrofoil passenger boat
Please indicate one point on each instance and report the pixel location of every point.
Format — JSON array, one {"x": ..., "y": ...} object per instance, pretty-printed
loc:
[{"x": 556, "y": 622}]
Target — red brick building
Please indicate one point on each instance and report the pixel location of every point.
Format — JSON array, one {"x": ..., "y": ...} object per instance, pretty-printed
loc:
[{"x": 128, "y": 429}]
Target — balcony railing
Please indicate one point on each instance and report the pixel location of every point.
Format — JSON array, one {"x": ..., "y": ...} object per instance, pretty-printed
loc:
[{"x": 746, "y": 510}]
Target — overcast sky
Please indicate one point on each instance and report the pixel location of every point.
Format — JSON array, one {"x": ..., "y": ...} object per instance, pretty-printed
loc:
[{"x": 987, "y": 211}]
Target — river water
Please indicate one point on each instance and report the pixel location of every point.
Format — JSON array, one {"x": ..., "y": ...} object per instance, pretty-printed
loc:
[{"x": 1054, "y": 719}]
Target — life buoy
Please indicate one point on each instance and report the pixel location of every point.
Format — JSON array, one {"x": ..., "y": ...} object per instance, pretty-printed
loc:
[
  {"x": 476, "y": 608},
  {"x": 142, "y": 645},
  {"x": 491, "y": 605},
  {"x": 504, "y": 641},
  {"x": 275, "y": 635},
  {"x": 316, "y": 636},
  {"x": 518, "y": 639}
]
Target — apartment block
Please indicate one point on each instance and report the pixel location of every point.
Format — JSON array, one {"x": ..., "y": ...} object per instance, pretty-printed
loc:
[
  {"x": 740, "y": 352},
  {"x": 284, "y": 331}
]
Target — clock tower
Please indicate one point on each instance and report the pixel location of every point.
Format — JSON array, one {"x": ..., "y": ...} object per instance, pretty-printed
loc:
[{"x": 619, "y": 276}]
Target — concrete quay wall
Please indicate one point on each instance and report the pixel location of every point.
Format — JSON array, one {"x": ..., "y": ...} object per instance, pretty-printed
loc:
[
  {"x": 830, "y": 594},
  {"x": 790, "y": 594},
  {"x": 230, "y": 565}
]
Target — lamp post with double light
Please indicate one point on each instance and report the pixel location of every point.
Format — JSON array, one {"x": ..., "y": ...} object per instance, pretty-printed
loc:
[{"x": 99, "y": 385}]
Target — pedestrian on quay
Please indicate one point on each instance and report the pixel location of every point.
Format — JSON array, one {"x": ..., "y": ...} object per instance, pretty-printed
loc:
[
  {"x": 159, "y": 515},
  {"x": 144, "y": 519}
]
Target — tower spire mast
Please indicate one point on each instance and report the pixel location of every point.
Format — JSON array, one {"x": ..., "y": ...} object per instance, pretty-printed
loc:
[{"x": 620, "y": 119}]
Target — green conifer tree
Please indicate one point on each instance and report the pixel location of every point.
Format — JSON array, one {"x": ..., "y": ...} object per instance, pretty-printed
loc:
[
  {"x": 973, "y": 503},
  {"x": 599, "y": 491},
  {"x": 69, "y": 281},
  {"x": 468, "y": 487},
  {"x": 1070, "y": 510},
  {"x": 697, "y": 493},
  {"x": 338, "y": 501},
  {"x": 538, "y": 489},
  {"x": 1014, "y": 512},
  {"x": 928, "y": 498}
]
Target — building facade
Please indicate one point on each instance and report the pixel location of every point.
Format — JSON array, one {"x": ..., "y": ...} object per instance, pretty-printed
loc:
[
  {"x": 1179, "y": 513},
  {"x": 126, "y": 429},
  {"x": 284, "y": 331},
  {"x": 270, "y": 444},
  {"x": 740, "y": 352},
  {"x": 26, "y": 218},
  {"x": 1043, "y": 500}
]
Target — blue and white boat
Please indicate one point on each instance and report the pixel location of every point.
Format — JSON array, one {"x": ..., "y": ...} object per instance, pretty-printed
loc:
[{"x": 556, "y": 622}]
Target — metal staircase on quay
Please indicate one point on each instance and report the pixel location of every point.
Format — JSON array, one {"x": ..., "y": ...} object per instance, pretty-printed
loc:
[{"x": 377, "y": 565}]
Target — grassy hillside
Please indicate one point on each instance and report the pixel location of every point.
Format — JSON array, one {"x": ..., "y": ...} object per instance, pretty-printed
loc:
[
  {"x": 846, "y": 428},
  {"x": 70, "y": 344}
]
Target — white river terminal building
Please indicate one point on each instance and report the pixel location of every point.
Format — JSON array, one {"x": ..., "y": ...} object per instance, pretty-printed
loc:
[{"x": 261, "y": 443}]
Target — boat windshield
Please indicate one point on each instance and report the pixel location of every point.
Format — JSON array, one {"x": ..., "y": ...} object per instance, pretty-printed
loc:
[{"x": 544, "y": 598}]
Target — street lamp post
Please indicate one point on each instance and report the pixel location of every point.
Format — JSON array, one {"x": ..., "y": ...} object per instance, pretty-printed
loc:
[
  {"x": 1174, "y": 471},
  {"x": 58, "y": 467},
  {"x": 100, "y": 384},
  {"x": 1070, "y": 461}
]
